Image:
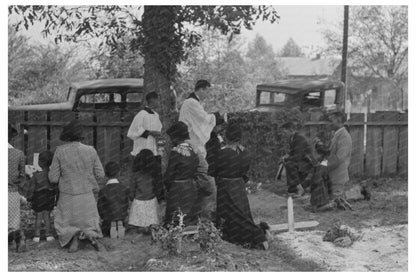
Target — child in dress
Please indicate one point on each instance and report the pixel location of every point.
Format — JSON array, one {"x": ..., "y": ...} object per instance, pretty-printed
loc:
[
  {"x": 113, "y": 203},
  {"x": 319, "y": 179},
  {"x": 144, "y": 208},
  {"x": 42, "y": 196}
]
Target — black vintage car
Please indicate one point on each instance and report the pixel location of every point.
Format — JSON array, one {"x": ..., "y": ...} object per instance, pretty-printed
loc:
[
  {"x": 105, "y": 94},
  {"x": 303, "y": 93}
]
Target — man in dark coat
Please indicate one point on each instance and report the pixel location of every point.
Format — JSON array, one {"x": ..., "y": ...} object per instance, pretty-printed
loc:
[{"x": 298, "y": 161}]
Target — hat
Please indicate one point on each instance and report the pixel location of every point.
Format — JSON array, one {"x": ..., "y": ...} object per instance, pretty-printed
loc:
[
  {"x": 233, "y": 132},
  {"x": 12, "y": 131},
  {"x": 72, "y": 131},
  {"x": 178, "y": 130}
]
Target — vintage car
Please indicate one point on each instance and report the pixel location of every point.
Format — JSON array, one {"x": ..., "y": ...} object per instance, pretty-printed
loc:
[
  {"x": 103, "y": 94},
  {"x": 303, "y": 93}
]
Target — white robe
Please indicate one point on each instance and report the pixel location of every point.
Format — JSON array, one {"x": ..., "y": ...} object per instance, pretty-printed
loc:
[
  {"x": 144, "y": 121},
  {"x": 200, "y": 123}
]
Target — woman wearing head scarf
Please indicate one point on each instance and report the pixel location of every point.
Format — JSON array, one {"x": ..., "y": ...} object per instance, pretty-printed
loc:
[
  {"x": 16, "y": 179},
  {"x": 179, "y": 177},
  {"x": 76, "y": 168},
  {"x": 230, "y": 168}
]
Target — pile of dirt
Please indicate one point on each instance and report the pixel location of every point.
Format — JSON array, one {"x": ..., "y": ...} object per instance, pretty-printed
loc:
[{"x": 379, "y": 249}]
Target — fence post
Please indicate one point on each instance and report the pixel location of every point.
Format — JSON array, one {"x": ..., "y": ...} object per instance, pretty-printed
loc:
[
  {"x": 357, "y": 136},
  {"x": 374, "y": 146},
  {"x": 390, "y": 144}
]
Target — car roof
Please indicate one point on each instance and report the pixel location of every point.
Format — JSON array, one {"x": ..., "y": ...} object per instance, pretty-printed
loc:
[
  {"x": 294, "y": 86},
  {"x": 110, "y": 83}
]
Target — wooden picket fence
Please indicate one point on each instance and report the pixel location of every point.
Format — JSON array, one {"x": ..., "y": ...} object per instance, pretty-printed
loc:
[{"x": 380, "y": 145}]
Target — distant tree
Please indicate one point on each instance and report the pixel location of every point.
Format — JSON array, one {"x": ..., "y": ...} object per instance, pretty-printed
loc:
[
  {"x": 39, "y": 73},
  {"x": 378, "y": 41},
  {"x": 261, "y": 62},
  {"x": 291, "y": 49}
]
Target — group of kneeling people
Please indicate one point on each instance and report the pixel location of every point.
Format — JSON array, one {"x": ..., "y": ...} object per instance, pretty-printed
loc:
[{"x": 69, "y": 180}]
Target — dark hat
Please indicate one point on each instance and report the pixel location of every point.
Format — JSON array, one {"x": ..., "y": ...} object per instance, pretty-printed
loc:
[
  {"x": 233, "y": 132},
  {"x": 72, "y": 131},
  {"x": 178, "y": 130},
  {"x": 12, "y": 131}
]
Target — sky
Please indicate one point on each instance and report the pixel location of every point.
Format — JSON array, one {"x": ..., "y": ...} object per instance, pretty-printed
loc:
[{"x": 299, "y": 22}]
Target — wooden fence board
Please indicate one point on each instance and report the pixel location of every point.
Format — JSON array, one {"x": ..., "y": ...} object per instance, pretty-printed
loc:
[
  {"x": 127, "y": 146},
  {"x": 403, "y": 147},
  {"x": 55, "y": 131},
  {"x": 387, "y": 138},
  {"x": 390, "y": 144},
  {"x": 108, "y": 138},
  {"x": 357, "y": 136},
  {"x": 16, "y": 118},
  {"x": 89, "y": 137},
  {"x": 374, "y": 146},
  {"x": 37, "y": 135}
]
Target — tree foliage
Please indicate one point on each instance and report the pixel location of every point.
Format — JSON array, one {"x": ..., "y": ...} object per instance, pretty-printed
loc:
[
  {"x": 378, "y": 41},
  {"x": 39, "y": 73},
  {"x": 291, "y": 49},
  {"x": 163, "y": 32}
]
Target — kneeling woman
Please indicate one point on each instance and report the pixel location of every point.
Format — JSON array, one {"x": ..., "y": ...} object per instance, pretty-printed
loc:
[
  {"x": 179, "y": 177},
  {"x": 230, "y": 168}
]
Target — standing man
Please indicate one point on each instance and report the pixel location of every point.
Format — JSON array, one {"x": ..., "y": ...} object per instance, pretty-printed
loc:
[
  {"x": 299, "y": 160},
  {"x": 200, "y": 125},
  {"x": 340, "y": 154},
  {"x": 144, "y": 131}
]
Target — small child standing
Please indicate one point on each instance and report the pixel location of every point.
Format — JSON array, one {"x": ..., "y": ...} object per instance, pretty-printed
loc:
[
  {"x": 113, "y": 203},
  {"x": 42, "y": 196},
  {"x": 144, "y": 208}
]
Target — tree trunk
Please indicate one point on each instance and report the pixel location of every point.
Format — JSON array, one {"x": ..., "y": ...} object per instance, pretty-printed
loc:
[{"x": 160, "y": 70}]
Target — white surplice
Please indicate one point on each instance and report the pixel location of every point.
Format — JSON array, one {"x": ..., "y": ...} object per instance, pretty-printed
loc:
[
  {"x": 144, "y": 121},
  {"x": 200, "y": 123}
]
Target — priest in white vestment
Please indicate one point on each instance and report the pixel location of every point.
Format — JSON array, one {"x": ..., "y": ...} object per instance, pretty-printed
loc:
[{"x": 200, "y": 125}]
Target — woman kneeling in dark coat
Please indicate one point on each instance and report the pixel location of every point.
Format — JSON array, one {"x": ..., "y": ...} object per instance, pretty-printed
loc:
[{"x": 234, "y": 217}]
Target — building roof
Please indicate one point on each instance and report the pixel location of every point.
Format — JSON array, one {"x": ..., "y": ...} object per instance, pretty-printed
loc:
[
  {"x": 109, "y": 83},
  {"x": 301, "y": 66},
  {"x": 293, "y": 86}
]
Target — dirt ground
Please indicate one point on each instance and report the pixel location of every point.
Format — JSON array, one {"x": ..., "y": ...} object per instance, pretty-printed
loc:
[{"x": 383, "y": 220}]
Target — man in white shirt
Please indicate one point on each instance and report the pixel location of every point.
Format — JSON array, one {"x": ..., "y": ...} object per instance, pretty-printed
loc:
[
  {"x": 200, "y": 125},
  {"x": 145, "y": 130}
]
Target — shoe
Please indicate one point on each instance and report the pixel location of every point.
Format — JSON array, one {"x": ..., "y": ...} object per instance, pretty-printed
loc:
[
  {"x": 120, "y": 229},
  {"x": 50, "y": 238},
  {"x": 74, "y": 245},
  {"x": 301, "y": 191},
  {"x": 113, "y": 230},
  {"x": 36, "y": 239},
  {"x": 95, "y": 244}
]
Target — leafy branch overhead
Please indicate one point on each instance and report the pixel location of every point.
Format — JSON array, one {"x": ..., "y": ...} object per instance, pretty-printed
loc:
[{"x": 163, "y": 32}]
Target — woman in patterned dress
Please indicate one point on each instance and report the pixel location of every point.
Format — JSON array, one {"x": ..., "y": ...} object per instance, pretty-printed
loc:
[
  {"x": 179, "y": 177},
  {"x": 76, "y": 168},
  {"x": 16, "y": 179}
]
